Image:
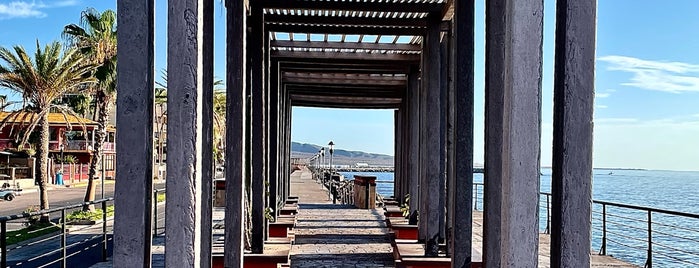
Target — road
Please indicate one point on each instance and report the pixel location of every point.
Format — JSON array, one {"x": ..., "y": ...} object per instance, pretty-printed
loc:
[{"x": 84, "y": 246}]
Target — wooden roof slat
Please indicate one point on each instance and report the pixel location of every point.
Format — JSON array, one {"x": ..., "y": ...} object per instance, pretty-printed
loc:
[
  {"x": 328, "y": 20},
  {"x": 338, "y": 45},
  {"x": 344, "y": 29},
  {"x": 431, "y": 6},
  {"x": 343, "y": 56}
]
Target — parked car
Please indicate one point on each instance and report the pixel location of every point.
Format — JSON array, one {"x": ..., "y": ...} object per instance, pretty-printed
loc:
[{"x": 7, "y": 193}]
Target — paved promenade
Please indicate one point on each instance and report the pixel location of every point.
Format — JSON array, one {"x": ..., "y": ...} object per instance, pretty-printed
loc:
[{"x": 329, "y": 235}]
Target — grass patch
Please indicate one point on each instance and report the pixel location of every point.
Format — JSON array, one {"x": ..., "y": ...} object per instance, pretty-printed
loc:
[
  {"x": 89, "y": 215},
  {"x": 33, "y": 231},
  {"x": 160, "y": 198}
]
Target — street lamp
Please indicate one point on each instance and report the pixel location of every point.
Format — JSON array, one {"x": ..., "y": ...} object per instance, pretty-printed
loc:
[
  {"x": 322, "y": 155},
  {"x": 331, "y": 144}
]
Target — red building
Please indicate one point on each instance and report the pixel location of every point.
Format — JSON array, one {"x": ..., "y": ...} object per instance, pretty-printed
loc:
[{"x": 68, "y": 138}]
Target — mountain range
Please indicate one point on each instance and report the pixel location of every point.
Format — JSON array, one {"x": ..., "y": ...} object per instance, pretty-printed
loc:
[{"x": 341, "y": 157}]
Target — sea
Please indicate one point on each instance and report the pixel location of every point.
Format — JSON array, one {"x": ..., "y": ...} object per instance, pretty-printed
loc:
[{"x": 675, "y": 239}]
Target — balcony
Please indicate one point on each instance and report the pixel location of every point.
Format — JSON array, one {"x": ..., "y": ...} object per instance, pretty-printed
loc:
[{"x": 80, "y": 145}]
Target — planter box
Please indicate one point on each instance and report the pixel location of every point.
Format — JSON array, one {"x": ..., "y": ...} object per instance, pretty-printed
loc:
[
  {"x": 274, "y": 254},
  {"x": 405, "y": 231}
]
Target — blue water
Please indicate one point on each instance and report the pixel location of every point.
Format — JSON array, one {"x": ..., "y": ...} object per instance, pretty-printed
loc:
[{"x": 675, "y": 238}]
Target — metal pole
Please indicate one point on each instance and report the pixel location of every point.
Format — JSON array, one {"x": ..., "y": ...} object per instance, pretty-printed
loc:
[
  {"x": 475, "y": 199},
  {"x": 102, "y": 175},
  {"x": 603, "y": 250},
  {"x": 548, "y": 214},
  {"x": 63, "y": 238},
  {"x": 104, "y": 230},
  {"x": 3, "y": 244},
  {"x": 155, "y": 214},
  {"x": 649, "y": 261}
]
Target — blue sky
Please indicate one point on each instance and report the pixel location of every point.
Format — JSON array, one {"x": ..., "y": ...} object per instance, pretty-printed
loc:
[{"x": 647, "y": 80}]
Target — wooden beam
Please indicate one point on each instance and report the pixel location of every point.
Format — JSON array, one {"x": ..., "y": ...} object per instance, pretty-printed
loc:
[
  {"x": 343, "y": 29},
  {"x": 574, "y": 93},
  {"x": 134, "y": 188},
  {"x": 338, "y": 56},
  {"x": 236, "y": 95},
  {"x": 348, "y": 81},
  {"x": 321, "y": 75},
  {"x": 352, "y": 6},
  {"x": 344, "y": 45},
  {"x": 339, "y": 20}
]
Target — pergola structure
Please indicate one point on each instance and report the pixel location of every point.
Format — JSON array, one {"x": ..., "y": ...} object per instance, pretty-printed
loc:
[{"x": 414, "y": 56}]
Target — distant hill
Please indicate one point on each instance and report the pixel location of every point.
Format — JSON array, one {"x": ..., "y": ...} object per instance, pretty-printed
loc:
[{"x": 341, "y": 157}]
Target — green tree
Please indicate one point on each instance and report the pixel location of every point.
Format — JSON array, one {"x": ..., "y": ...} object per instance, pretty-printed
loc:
[
  {"x": 96, "y": 38},
  {"x": 52, "y": 73}
]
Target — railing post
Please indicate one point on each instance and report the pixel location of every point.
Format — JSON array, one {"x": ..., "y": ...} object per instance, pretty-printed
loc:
[
  {"x": 155, "y": 214},
  {"x": 603, "y": 249},
  {"x": 104, "y": 230},
  {"x": 63, "y": 238},
  {"x": 649, "y": 260},
  {"x": 475, "y": 199},
  {"x": 3, "y": 244},
  {"x": 548, "y": 213}
]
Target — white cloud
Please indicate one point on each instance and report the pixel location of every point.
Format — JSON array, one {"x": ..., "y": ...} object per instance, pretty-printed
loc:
[
  {"x": 674, "y": 77},
  {"x": 30, "y": 9},
  {"x": 602, "y": 106},
  {"x": 602, "y": 95}
]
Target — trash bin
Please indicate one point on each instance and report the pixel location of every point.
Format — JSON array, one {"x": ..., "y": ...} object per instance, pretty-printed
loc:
[{"x": 59, "y": 178}]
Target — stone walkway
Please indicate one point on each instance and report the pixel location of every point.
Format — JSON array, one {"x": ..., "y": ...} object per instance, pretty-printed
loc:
[{"x": 329, "y": 235}]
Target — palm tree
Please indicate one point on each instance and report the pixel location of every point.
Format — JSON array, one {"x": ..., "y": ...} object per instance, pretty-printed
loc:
[
  {"x": 52, "y": 73},
  {"x": 96, "y": 37}
]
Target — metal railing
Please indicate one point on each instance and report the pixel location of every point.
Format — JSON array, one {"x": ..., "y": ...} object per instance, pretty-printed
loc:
[
  {"x": 155, "y": 210},
  {"x": 62, "y": 233},
  {"x": 637, "y": 232}
]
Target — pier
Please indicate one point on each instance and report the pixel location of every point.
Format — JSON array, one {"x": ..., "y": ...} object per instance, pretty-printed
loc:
[{"x": 336, "y": 235}]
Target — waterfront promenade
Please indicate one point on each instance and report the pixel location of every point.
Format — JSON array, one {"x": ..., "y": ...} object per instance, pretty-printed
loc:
[{"x": 329, "y": 235}]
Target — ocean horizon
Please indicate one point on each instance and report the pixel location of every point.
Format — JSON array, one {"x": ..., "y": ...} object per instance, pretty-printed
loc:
[{"x": 626, "y": 229}]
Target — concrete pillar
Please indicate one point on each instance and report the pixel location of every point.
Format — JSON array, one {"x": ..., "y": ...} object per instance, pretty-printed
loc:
[
  {"x": 235, "y": 130},
  {"x": 256, "y": 50},
  {"x": 573, "y": 94},
  {"x": 188, "y": 194},
  {"x": 462, "y": 186},
  {"x": 513, "y": 119},
  {"x": 414, "y": 138},
  {"x": 134, "y": 181},
  {"x": 430, "y": 186}
]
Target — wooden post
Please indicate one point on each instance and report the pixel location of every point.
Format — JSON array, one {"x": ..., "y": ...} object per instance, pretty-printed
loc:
[
  {"x": 414, "y": 137},
  {"x": 188, "y": 125},
  {"x": 571, "y": 182},
  {"x": 235, "y": 131},
  {"x": 398, "y": 152},
  {"x": 207, "y": 147},
  {"x": 513, "y": 120},
  {"x": 134, "y": 183},
  {"x": 257, "y": 124},
  {"x": 462, "y": 187},
  {"x": 430, "y": 188}
]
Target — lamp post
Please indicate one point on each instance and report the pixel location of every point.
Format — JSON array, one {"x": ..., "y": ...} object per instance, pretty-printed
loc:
[
  {"x": 322, "y": 155},
  {"x": 331, "y": 144}
]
